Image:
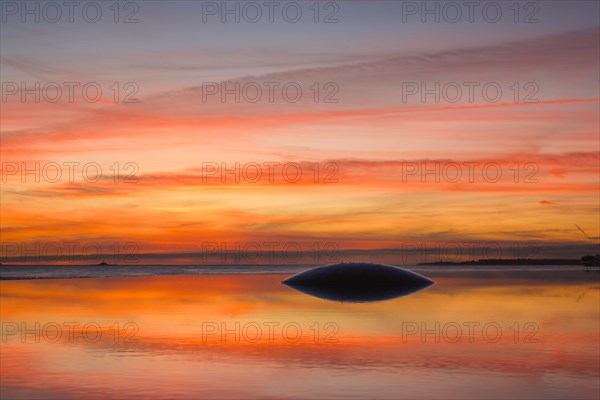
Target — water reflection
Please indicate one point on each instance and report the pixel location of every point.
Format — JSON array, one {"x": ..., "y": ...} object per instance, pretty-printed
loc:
[{"x": 199, "y": 336}]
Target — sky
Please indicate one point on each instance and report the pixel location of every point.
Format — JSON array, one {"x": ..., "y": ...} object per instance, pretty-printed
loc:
[{"x": 157, "y": 130}]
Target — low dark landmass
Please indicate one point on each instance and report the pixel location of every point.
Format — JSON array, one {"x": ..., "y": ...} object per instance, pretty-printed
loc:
[{"x": 510, "y": 261}]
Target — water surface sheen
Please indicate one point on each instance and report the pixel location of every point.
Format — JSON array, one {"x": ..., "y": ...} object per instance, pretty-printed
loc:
[{"x": 473, "y": 335}]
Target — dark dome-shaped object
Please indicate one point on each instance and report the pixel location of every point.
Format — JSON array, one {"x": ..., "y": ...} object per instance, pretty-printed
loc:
[{"x": 358, "y": 282}]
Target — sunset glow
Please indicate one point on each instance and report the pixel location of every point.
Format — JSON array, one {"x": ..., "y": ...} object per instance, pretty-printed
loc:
[{"x": 383, "y": 160}]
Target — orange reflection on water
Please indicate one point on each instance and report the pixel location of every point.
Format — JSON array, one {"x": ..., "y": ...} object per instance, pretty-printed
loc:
[{"x": 472, "y": 335}]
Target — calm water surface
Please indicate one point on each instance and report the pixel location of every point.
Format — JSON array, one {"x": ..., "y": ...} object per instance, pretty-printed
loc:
[{"x": 473, "y": 335}]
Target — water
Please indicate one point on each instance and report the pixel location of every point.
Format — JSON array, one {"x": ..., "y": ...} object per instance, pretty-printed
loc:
[
  {"x": 485, "y": 334},
  {"x": 9, "y": 272}
]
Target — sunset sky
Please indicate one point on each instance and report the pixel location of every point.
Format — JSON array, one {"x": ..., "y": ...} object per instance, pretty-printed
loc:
[{"x": 374, "y": 143}]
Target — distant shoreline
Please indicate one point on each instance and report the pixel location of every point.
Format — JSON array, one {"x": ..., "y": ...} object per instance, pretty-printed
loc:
[
  {"x": 485, "y": 261},
  {"x": 27, "y": 272},
  {"x": 511, "y": 261}
]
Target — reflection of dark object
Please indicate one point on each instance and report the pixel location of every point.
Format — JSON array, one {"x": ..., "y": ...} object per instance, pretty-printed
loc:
[
  {"x": 357, "y": 282},
  {"x": 590, "y": 261}
]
